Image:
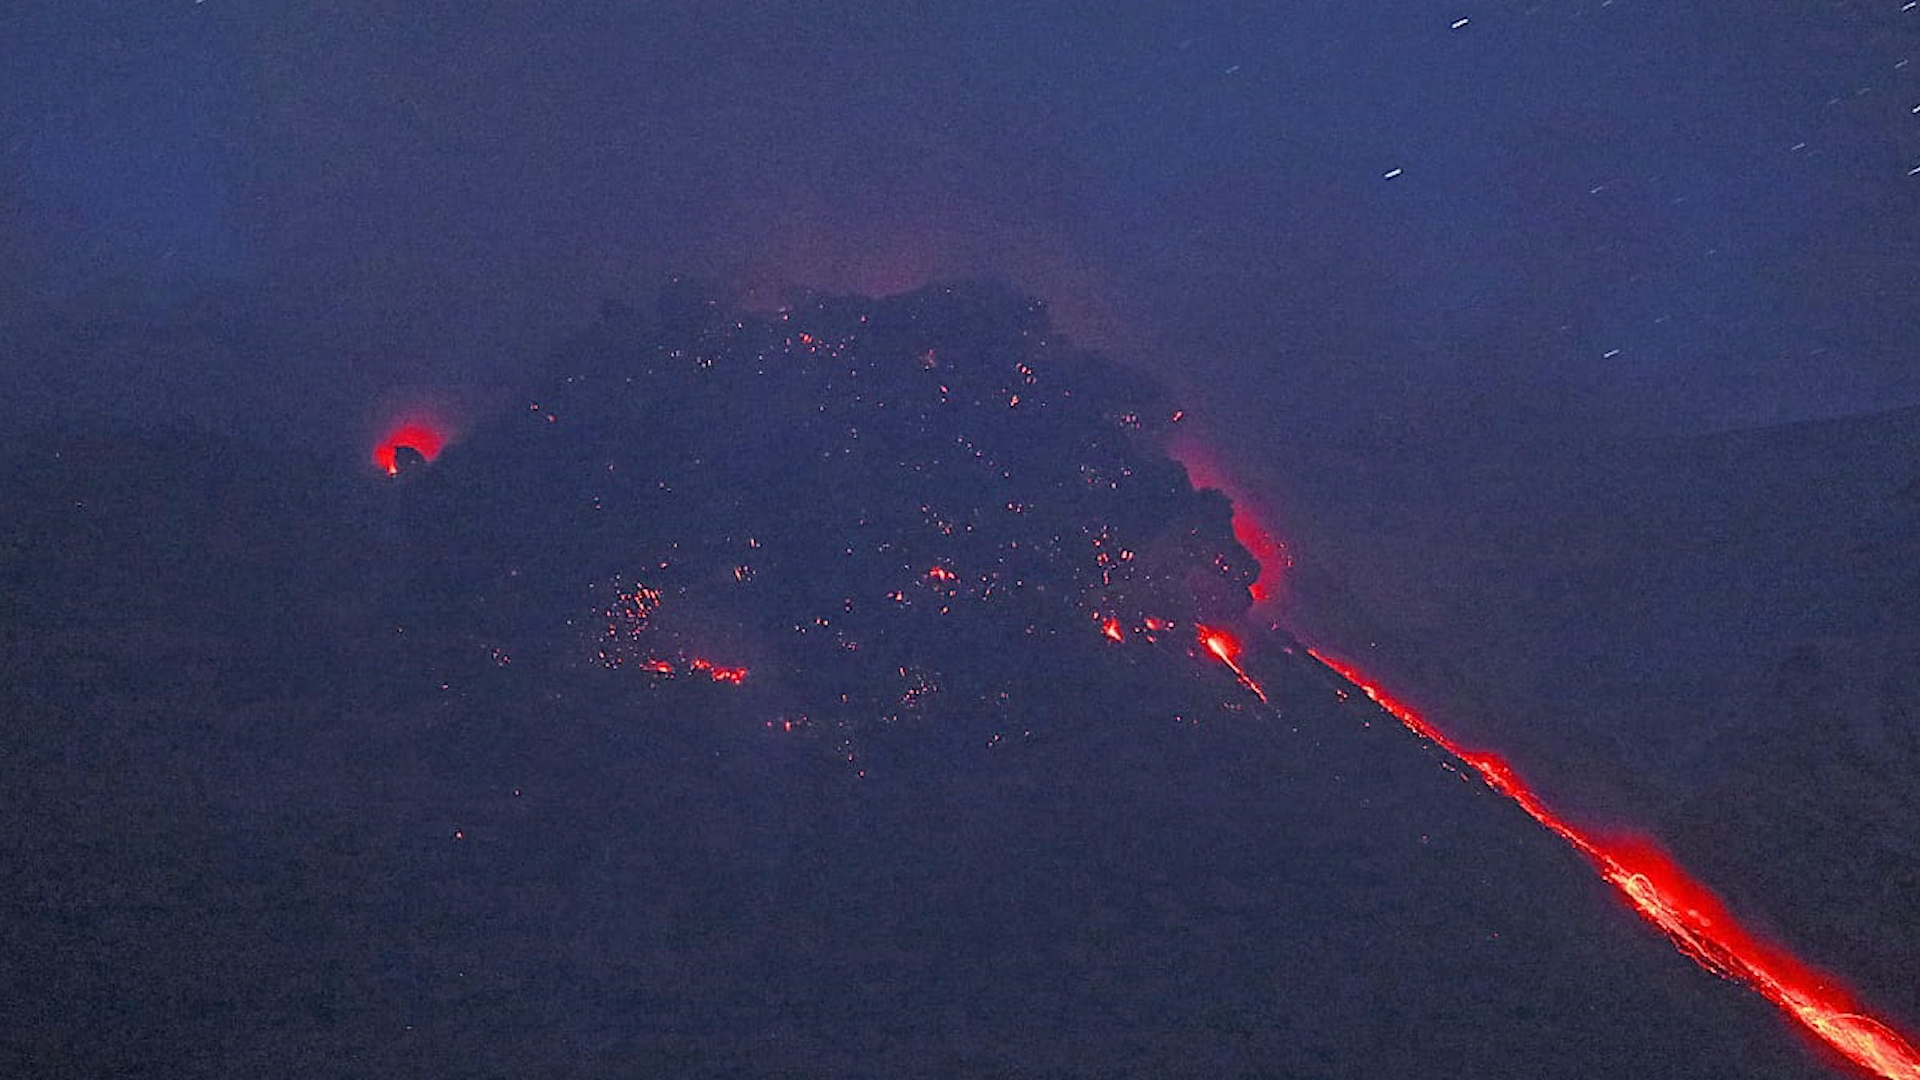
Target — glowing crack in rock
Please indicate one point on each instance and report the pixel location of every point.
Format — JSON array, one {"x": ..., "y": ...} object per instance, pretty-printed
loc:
[{"x": 1687, "y": 912}]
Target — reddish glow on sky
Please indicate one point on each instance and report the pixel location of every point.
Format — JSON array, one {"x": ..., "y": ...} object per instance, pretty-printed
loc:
[
  {"x": 1696, "y": 921},
  {"x": 426, "y": 436}
]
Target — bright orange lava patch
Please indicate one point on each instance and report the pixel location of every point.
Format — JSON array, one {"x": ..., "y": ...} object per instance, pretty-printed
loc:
[
  {"x": 426, "y": 437},
  {"x": 1225, "y": 649},
  {"x": 1694, "y": 919}
]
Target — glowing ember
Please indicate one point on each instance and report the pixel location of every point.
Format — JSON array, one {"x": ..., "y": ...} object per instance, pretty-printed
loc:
[
  {"x": 423, "y": 436},
  {"x": 1689, "y": 914},
  {"x": 717, "y": 672}
]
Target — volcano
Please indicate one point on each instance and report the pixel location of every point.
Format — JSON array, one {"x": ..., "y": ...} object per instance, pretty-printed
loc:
[{"x": 854, "y": 690}]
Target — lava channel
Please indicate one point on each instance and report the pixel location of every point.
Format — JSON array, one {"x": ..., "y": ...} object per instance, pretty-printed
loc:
[{"x": 1663, "y": 893}]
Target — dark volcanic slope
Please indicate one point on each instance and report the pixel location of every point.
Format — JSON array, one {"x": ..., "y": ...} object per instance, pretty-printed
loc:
[
  {"x": 1714, "y": 638},
  {"x": 804, "y": 696}
]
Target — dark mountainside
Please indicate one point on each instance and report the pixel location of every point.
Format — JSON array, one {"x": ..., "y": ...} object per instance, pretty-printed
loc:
[{"x": 791, "y": 696}]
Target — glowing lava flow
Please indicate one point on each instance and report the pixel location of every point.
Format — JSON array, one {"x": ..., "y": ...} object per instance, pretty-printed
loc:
[
  {"x": 1647, "y": 878},
  {"x": 1226, "y": 650},
  {"x": 1665, "y": 895}
]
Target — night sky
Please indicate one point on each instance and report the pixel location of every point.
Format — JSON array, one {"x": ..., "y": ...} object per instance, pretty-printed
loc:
[
  {"x": 1321, "y": 220},
  {"x": 1567, "y": 347}
]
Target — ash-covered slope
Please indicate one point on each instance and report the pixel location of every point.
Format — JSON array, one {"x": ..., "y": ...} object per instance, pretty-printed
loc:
[{"x": 802, "y": 696}]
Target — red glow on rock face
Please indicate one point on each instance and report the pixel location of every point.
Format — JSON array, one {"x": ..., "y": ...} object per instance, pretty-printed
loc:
[
  {"x": 1249, "y": 528},
  {"x": 1686, "y": 911},
  {"x": 1265, "y": 548},
  {"x": 425, "y": 436}
]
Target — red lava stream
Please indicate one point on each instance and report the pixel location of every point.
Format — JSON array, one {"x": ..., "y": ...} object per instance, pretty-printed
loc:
[{"x": 1650, "y": 882}]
